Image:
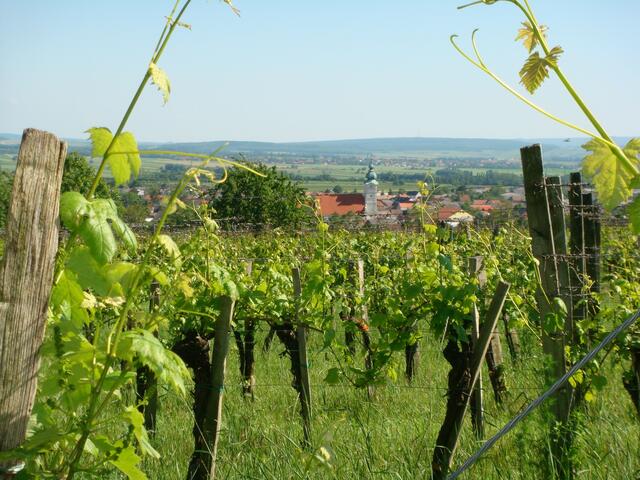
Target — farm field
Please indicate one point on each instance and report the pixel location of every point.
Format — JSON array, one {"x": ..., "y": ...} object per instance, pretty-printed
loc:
[{"x": 316, "y": 177}]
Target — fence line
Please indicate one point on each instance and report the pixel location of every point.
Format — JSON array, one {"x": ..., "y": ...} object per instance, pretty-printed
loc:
[{"x": 538, "y": 401}]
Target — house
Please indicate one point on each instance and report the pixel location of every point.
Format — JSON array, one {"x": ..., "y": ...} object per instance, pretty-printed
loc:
[{"x": 340, "y": 203}]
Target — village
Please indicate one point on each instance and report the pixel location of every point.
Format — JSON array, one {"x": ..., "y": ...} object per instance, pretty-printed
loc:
[{"x": 479, "y": 205}]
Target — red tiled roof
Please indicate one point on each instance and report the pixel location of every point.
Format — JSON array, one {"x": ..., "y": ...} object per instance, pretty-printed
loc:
[
  {"x": 482, "y": 208},
  {"x": 340, "y": 203},
  {"x": 445, "y": 212},
  {"x": 406, "y": 205},
  {"x": 480, "y": 202}
]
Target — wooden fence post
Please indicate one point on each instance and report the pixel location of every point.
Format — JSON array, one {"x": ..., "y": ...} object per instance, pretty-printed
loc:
[
  {"x": 543, "y": 249},
  {"x": 26, "y": 277},
  {"x": 301, "y": 338},
  {"x": 366, "y": 337},
  {"x": 247, "y": 360},
  {"x": 592, "y": 239},
  {"x": 513, "y": 341},
  {"x": 577, "y": 246},
  {"x": 458, "y": 401},
  {"x": 547, "y": 228},
  {"x": 474, "y": 267}
]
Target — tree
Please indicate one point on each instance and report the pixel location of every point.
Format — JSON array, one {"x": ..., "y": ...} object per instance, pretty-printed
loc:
[
  {"x": 259, "y": 202},
  {"x": 337, "y": 189},
  {"x": 78, "y": 176},
  {"x": 6, "y": 184}
]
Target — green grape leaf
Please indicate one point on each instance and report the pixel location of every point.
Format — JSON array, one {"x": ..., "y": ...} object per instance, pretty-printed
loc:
[
  {"x": 169, "y": 246},
  {"x": 127, "y": 462},
  {"x": 73, "y": 206},
  {"x": 125, "y": 233},
  {"x": 634, "y": 214},
  {"x": 97, "y": 235},
  {"x": 612, "y": 177},
  {"x": 333, "y": 376},
  {"x": 536, "y": 69},
  {"x": 67, "y": 297},
  {"x": 528, "y": 36},
  {"x": 147, "y": 350},
  {"x": 82, "y": 263},
  {"x": 160, "y": 80},
  {"x": 100, "y": 140},
  {"x": 136, "y": 420},
  {"x": 124, "y": 158}
]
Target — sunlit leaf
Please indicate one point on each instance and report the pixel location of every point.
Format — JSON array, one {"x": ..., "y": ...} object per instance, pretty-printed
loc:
[
  {"x": 634, "y": 214},
  {"x": 536, "y": 69},
  {"x": 612, "y": 177},
  {"x": 73, "y": 206},
  {"x": 100, "y": 139},
  {"x": 124, "y": 159},
  {"x": 127, "y": 462},
  {"x": 160, "y": 80},
  {"x": 528, "y": 36},
  {"x": 143, "y": 347}
]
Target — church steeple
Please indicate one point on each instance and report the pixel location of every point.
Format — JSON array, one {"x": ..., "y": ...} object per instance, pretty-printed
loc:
[
  {"x": 372, "y": 176},
  {"x": 371, "y": 192}
]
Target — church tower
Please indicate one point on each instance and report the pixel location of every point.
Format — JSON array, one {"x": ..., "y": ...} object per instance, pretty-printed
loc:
[{"x": 371, "y": 193}]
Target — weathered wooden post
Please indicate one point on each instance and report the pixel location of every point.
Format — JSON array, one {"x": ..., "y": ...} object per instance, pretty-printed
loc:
[
  {"x": 461, "y": 384},
  {"x": 592, "y": 240},
  {"x": 474, "y": 267},
  {"x": 548, "y": 242},
  {"x": 305, "y": 384},
  {"x": 513, "y": 341},
  {"x": 577, "y": 246},
  {"x": 26, "y": 277}
]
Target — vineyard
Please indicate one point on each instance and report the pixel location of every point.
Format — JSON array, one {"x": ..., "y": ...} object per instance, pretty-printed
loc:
[{"x": 440, "y": 351}]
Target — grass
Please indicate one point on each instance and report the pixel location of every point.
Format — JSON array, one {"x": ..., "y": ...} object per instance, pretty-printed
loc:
[{"x": 391, "y": 437}]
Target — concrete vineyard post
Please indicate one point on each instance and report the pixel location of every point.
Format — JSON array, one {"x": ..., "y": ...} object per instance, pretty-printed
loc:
[
  {"x": 26, "y": 277},
  {"x": 213, "y": 417},
  {"x": 366, "y": 338}
]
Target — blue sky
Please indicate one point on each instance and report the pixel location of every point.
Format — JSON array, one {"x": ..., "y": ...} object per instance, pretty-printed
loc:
[{"x": 309, "y": 70}]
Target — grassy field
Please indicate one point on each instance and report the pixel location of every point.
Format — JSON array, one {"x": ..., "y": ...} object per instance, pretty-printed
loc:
[
  {"x": 391, "y": 437},
  {"x": 349, "y": 177}
]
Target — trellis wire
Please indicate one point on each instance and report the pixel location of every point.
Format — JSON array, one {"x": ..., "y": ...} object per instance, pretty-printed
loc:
[{"x": 554, "y": 388}]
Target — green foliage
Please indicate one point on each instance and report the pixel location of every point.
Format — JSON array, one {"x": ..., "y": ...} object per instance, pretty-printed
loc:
[
  {"x": 612, "y": 176},
  {"x": 536, "y": 69},
  {"x": 140, "y": 345},
  {"x": 528, "y": 35},
  {"x": 160, "y": 79},
  {"x": 273, "y": 201},
  {"x": 78, "y": 176},
  {"x": 6, "y": 184},
  {"x": 95, "y": 222},
  {"x": 121, "y": 153}
]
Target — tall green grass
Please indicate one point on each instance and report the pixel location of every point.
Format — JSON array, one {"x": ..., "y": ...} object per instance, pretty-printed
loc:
[{"x": 392, "y": 436}]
